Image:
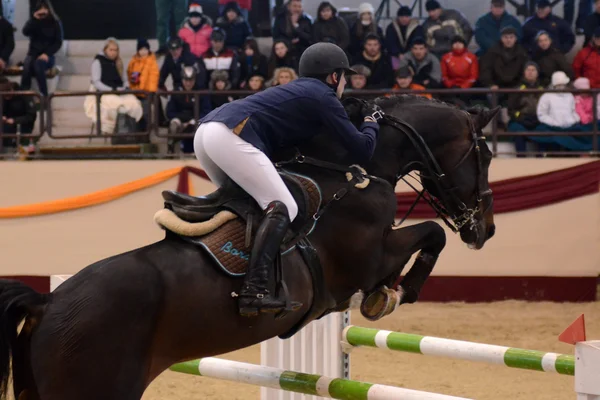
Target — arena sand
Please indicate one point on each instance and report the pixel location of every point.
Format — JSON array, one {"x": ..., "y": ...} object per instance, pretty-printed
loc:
[{"x": 518, "y": 324}]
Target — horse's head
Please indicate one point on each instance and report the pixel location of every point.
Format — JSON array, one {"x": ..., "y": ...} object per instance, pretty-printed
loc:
[{"x": 456, "y": 173}]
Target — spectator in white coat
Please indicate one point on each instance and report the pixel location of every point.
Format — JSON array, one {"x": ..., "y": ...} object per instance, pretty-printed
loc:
[{"x": 557, "y": 110}]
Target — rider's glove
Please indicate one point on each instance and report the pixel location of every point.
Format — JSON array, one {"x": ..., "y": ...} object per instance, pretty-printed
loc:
[{"x": 372, "y": 111}]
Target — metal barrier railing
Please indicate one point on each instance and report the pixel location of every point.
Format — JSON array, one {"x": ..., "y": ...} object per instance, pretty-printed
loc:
[
  {"x": 98, "y": 123},
  {"x": 152, "y": 107},
  {"x": 40, "y": 114}
]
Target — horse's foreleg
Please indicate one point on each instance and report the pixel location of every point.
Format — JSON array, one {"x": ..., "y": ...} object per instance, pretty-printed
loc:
[{"x": 401, "y": 244}]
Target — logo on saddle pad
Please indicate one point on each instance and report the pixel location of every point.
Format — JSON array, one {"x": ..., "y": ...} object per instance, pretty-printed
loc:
[{"x": 228, "y": 248}]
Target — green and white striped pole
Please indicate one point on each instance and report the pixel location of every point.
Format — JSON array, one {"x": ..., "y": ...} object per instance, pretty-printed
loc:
[
  {"x": 432, "y": 346},
  {"x": 301, "y": 383}
]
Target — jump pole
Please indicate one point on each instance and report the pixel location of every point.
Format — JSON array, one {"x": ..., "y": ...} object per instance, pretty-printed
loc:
[
  {"x": 334, "y": 388},
  {"x": 432, "y": 346}
]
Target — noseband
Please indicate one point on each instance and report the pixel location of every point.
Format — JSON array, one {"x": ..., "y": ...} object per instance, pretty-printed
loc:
[{"x": 449, "y": 207}]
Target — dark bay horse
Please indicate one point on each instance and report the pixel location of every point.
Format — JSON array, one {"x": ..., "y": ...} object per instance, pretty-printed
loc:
[{"x": 111, "y": 329}]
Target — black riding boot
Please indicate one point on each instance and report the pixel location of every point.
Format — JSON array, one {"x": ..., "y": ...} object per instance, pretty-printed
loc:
[{"x": 255, "y": 296}]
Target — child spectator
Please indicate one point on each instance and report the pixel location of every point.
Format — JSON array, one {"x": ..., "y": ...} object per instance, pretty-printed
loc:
[
  {"x": 329, "y": 27},
  {"x": 400, "y": 33},
  {"x": 282, "y": 76},
  {"x": 219, "y": 81},
  {"x": 522, "y": 107},
  {"x": 587, "y": 62},
  {"x": 45, "y": 39},
  {"x": 404, "y": 81},
  {"x": 584, "y": 103},
  {"x": 196, "y": 30},
  {"x": 358, "y": 81},
  {"x": 503, "y": 64},
  {"x": 107, "y": 75},
  {"x": 281, "y": 57},
  {"x": 365, "y": 25},
  {"x": 549, "y": 58},
  {"x": 143, "y": 74},
  {"x": 295, "y": 26},
  {"x": 252, "y": 63},
  {"x": 178, "y": 57},
  {"x": 543, "y": 20},
  {"x": 442, "y": 25},
  {"x": 18, "y": 113},
  {"x": 489, "y": 26},
  {"x": 557, "y": 110},
  {"x": 236, "y": 28},
  {"x": 426, "y": 67},
  {"x": 256, "y": 83},
  {"x": 460, "y": 68},
  {"x": 7, "y": 42},
  {"x": 220, "y": 58},
  {"x": 378, "y": 62},
  {"x": 180, "y": 109}
]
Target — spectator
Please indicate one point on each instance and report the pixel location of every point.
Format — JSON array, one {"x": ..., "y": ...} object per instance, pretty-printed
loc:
[
  {"x": 378, "y": 62},
  {"x": 234, "y": 25},
  {"x": 295, "y": 26},
  {"x": 329, "y": 27},
  {"x": 358, "y": 81},
  {"x": 245, "y": 7},
  {"x": 591, "y": 22},
  {"x": 522, "y": 107},
  {"x": 107, "y": 75},
  {"x": 503, "y": 64},
  {"x": 143, "y": 74},
  {"x": 549, "y": 58},
  {"x": 164, "y": 10},
  {"x": 281, "y": 56},
  {"x": 400, "y": 33},
  {"x": 219, "y": 81},
  {"x": 18, "y": 113},
  {"x": 196, "y": 30},
  {"x": 404, "y": 81},
  {"x": 180, "y": 108},
  {"x": 364, "y": 26},
  {"x": 557, "y": 110},
  {"x": 256, "y": 83},
  {"x": 587, "y": 62},
  {"x": 460, "y": 68},
  {"x": 220, "y": 58},
  {"x": 426, "y": 68},
  {"x": 45, "y": 39},
  {"x": 585, "y": 9},
  {"x": 488, "y": 26},
  {"x": 282, "y": 76},
  {"x": 252, "y": 63},
  {"x": 584, "y": 103},
  {"x": 442, "y": 26},
  {"x": 7, "y": 42},
  {"x": 543, "y": 20},
  {"x": 177, "y": 57}
]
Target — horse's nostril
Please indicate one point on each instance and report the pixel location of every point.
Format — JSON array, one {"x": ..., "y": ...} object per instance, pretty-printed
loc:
[{"x": 491, "y": 231}]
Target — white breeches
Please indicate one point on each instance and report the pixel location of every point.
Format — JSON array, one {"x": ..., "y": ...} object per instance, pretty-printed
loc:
[{"x": 223, "y": 154}]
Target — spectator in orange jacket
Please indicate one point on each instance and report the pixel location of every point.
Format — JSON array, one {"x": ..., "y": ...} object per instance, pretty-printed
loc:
[
  {"x": 587, "y": 61},
  {"x": 460, "y": 68},
  {"x": 404, "y": 81},
  {"x": 143, "y": 74}
]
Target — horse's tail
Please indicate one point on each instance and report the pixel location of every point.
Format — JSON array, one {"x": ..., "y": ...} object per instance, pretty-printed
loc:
[{"x": 17, "y": 301}]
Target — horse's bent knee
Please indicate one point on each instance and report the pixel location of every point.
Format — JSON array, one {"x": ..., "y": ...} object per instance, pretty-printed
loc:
[{"x": 437, "y": 238}]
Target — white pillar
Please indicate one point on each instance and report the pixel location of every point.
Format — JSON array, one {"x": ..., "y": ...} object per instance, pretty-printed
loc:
[{"x": 587, "y": 370}]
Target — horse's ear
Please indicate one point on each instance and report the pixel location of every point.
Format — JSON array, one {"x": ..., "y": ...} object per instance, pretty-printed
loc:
[{"x": 483, "y": 117}]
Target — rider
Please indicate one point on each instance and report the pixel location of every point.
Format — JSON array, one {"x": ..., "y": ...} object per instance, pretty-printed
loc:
[{"x": 237, "y": 139}]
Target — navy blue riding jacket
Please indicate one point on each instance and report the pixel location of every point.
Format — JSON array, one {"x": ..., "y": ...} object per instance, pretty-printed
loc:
[{"x": 284, "y": 116}]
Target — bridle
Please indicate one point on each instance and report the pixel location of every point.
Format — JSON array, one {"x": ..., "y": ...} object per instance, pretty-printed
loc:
[{"x": 448, "y": 206}]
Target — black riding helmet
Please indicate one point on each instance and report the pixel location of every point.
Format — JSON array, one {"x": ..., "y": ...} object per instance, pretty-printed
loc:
[{"x": 322, "y": 59}]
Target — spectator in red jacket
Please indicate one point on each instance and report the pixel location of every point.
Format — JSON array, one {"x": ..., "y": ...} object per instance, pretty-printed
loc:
[
  {"x": 196, "y": 30},
  {"x": 460, "y": 68},
  {"x": 587, "y": 61}
]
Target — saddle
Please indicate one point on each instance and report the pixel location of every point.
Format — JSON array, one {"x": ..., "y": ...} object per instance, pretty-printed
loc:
[{"x": 223, "y": 222}]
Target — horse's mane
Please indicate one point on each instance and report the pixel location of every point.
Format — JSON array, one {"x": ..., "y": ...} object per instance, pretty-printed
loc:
[{"x": 399, "y": 99}]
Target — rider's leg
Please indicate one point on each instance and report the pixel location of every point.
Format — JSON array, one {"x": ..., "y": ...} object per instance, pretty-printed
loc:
[
  {"x": 216, "y": 174},
  {"x": 253, "y": 171}
]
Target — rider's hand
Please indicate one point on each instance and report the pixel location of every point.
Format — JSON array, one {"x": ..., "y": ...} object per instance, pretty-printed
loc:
[{"x": 372, "y": 111}]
